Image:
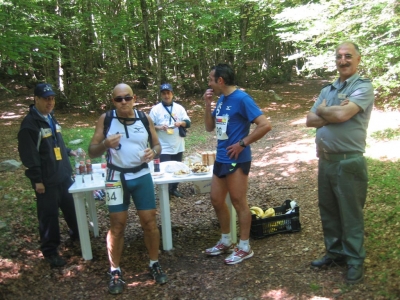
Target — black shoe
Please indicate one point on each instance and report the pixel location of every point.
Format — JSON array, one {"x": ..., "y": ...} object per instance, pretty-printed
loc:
[
  {"x": 355, "y": 273},
  {"x": 176, "y": 193},
  {"x": 116, "y": 284},
  {"x": 158, "y": 274},
  {"x": 327, "y": 261},
  {"x": 56, "y": 261}
]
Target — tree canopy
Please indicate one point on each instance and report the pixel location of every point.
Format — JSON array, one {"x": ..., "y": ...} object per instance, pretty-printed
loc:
[{"x": 85, "y": 47}]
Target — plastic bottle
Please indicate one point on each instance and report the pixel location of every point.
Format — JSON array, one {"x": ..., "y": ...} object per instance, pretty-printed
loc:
[
  {"x": 156, "y": 165},
  {"x": 82, "y": 168},
  {"x": 89, "y": 168},
  {"x": 77, "y": 172},
  {"x": 103, "y": 162}
]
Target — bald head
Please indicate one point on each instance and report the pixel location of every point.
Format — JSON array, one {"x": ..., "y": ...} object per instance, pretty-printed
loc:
[
  {"x": 349, "y": 44},
  {"x": 122, "y": 89}
]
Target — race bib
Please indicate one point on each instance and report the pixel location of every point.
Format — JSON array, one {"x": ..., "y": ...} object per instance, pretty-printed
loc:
[
  {"x": 114, "y": 193},
  {"x": 221, "y": 124}
]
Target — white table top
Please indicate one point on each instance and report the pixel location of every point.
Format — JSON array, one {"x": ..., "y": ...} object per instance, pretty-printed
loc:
[{"x": 98, "y": 181}]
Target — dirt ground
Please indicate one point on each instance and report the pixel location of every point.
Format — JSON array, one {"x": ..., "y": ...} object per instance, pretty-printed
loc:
[{"x": 284, "y": 167}]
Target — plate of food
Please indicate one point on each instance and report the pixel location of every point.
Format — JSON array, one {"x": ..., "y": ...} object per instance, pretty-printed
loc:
[
  {"x": 199, "y": 169},
  {"x": 181, "y": 173},
  {"x": 157, "y": 174},
  {"x": 200, "y": 173}
]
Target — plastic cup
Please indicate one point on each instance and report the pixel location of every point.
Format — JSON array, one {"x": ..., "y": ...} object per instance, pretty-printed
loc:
[{"x": 141, "y": 155}]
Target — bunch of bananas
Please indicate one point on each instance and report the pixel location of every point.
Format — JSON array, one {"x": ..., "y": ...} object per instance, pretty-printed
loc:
[{"x": 260, "y": 214}]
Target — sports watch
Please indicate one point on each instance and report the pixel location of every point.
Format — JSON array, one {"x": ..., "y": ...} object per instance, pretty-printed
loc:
[{"x": 241, "y": 143}]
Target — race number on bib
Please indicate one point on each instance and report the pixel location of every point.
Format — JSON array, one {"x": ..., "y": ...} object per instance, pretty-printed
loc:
[
  {"x": 114, "y": 193},
  {"x": 221, "y": 125}
]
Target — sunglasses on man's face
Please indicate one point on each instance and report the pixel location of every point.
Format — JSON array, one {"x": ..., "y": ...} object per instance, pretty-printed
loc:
[{"x": 119, "y": 99}]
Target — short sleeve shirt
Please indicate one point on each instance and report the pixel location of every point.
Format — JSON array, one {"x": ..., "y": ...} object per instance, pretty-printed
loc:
[
  {"x": 349, "y": 136},
  {"x": 238, "y": 110},
  {"x": 160, "y": 114}
]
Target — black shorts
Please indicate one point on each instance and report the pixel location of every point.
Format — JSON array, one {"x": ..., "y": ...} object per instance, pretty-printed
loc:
[{"x": 221, "y": 170}]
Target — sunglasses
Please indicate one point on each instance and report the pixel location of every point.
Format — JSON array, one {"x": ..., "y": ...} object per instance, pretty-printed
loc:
[{"x": 119, "y": 99}]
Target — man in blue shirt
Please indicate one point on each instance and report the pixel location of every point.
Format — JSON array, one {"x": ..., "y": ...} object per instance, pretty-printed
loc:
[
  {"x": 341, "y": 115},
  {"x": 231, "y": 119}
]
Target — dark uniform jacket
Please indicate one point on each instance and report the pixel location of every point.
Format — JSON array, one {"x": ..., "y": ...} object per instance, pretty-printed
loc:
[{"x": 36, "y": 143}]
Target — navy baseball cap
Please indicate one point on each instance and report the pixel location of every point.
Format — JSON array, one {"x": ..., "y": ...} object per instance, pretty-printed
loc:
[
  {"x": 166, "y": 87},
  {"x": 44, "y": 90}
]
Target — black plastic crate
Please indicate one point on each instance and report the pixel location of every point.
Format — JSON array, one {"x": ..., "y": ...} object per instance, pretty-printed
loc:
[{"x": 280, "y": 223}]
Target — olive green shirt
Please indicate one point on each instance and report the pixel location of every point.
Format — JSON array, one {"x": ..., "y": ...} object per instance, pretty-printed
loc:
[{"x": 348, "y": 136}]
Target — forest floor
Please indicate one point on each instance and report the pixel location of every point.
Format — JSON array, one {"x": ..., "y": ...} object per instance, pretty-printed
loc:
[{"x": 284, "y": 167}]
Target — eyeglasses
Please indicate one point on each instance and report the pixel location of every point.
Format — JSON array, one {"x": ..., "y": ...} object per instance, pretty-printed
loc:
[
  {"x": 346, "y": 56},
  {"x": 119, "y": 99}
]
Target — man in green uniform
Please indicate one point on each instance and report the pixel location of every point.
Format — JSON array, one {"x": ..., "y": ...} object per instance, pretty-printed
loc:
[{"x": 341, "y": 115}]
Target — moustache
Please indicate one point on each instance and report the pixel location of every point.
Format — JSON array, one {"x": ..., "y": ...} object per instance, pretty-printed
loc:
[{"x": 345, "y": 65}]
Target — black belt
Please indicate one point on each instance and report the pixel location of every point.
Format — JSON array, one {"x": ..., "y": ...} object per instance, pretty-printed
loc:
[
  {"x": 123, "y": 171},
  {"x": 339, "y": 156},
  {"x": 127, "y": 170}
]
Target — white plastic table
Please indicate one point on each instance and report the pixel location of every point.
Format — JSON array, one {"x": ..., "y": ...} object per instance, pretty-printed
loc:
[
  {"x": 165, "y": 213},
  {"x": 83, "y": 194}
]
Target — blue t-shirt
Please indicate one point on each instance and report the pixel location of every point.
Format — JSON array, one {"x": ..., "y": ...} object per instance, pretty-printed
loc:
[{"x": 239, "y": 110}]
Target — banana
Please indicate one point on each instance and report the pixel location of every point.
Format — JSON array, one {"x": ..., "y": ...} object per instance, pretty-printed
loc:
[
  {"x": 257, "y": 211},
  {"x": 270, "y": 212}
]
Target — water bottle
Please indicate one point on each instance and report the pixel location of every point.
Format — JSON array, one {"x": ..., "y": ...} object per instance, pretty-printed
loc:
[
  {"x": 103, "y": 162},
  {"x": 77, "y": 164},
  {"x": 89, "y": 169},
  {"x": 82, "y": 168}
]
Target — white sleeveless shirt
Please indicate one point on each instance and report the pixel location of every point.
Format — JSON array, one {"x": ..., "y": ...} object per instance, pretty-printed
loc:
[{"x": 132, "y": 142}]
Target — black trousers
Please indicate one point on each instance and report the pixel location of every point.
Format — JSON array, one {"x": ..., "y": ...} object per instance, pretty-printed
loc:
[
  {"x": 174, "y": 157},
  {"x": 48, "y": 205}
]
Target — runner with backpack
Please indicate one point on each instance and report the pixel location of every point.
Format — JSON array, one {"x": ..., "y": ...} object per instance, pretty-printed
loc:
[{"x": 131, "y": 142}]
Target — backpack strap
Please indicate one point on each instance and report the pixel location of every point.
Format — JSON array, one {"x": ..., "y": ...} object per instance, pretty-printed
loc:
[
  {"x": 145, "y": 121},
  {"x": 107, "y": 122},
  {"x": 142, "y": 116}
]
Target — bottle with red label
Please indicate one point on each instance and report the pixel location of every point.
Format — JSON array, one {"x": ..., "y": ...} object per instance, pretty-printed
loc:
[
  {"x": 89, "y": 168},
  {"x": 82, "y": 168},
  {"x": 103, "y": 162},
  {"x": 156, "y": 165}
]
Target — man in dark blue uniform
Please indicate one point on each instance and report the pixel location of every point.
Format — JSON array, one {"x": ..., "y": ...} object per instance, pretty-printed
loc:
[{"x": 42, "y": 150}]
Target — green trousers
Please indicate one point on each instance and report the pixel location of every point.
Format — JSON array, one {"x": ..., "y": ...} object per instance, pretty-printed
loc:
[{"x": 342, "y": 191}]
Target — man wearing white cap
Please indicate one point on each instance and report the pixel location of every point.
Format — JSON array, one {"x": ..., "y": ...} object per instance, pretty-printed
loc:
[{"x": 168, "y": 116}]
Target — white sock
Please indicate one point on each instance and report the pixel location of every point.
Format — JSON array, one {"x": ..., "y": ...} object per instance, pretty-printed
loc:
[
  {"x": 152, "y": 262},
  {"x": 114, "y": 269},
  {"x": 244, "y": 245},
  {"x": 226, "y": 239}
]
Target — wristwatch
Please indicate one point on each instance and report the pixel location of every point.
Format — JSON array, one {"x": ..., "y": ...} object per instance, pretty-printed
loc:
[{"x": 241, "y": 143}]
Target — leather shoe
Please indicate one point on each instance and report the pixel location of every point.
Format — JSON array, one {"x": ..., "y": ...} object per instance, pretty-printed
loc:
[
  {"x": 327, "y": 261},
  {"x": 355, "y": 273},
  {"x": 55, "y": 261},
  {"x": 176, "y": 194}
]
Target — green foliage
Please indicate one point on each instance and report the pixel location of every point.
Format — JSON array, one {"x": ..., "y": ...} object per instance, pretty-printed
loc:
[
  {"x": 194, "y": 138},
  {"x": 86, "y": 47},
  {"x": 381, "y": 219},
  {"x": 315, "y": 287},
  {"x": 386, "y": 134},
  {"x": 80, "y": 133},
  {"x": 316, "y": 28}
]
